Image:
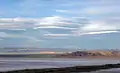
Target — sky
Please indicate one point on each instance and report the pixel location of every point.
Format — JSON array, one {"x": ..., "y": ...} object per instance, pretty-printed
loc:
[{"x": 84, "y": 24}]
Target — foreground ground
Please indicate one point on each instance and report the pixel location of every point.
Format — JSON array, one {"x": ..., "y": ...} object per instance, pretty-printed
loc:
[{"x": 67, "y": 69}]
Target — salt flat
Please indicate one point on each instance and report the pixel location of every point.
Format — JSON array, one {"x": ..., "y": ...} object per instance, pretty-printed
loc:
[{"x": 11, "y": 63}]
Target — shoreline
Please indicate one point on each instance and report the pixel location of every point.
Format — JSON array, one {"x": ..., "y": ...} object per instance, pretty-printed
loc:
[
  {"x": 58, "y": 56},
  {"x": 93, "y": 57},
  {"x": 68, "y": 69}
]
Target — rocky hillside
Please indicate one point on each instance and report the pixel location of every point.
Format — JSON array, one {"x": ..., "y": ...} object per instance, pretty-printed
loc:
[{"x": 93, "y": 53}]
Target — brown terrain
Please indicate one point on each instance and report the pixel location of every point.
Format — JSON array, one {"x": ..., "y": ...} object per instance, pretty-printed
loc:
[{"x": 93, "y": 54}]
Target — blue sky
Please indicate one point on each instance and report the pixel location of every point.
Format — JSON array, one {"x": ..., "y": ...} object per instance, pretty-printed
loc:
[{"x": 86, "y": 24}]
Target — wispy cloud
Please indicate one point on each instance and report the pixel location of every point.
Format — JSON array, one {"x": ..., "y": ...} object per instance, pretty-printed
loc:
[
  {"x": 62, "y": 11},
  {"x": 54, "y": 27},
  {"x": 45, "y": 22},
  {"x": 57, "y": 35},
  {"x": 74, "y": 25},
  {"x": 98, "y": 26},
  {"x": 94, "y": 33},
  {"x": 101, "y": 32},
  {"x": 30, "y": 38}
]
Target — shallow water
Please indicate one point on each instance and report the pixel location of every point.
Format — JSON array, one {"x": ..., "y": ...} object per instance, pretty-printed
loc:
[{"x": 7, "y": 64}]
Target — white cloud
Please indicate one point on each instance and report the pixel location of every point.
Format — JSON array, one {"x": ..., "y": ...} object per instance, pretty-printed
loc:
[
  {"x": 102, "y": 32},
  {"x": 58, "y": 27},
  {"x": 99, "y": 32},
  {"x": 57, "y": 35},
  {"x": 53, "y": 20},
  {"x": 18, "y": 29},
  {"x": 93, "y": 33},
  {"x": 49, "y": 21},
  {"x": 98, "y": 26},
  {"x": 62, "y": 11},
  {"x": 75, "y": 25},
  {"x": 30, "y": 38},
  {"x": 24, "y": 23},
  {"x": 16, "y": 23},
  {"x": 79, "y": 34}
]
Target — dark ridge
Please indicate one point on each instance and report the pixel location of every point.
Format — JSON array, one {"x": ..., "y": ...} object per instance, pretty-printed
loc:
[{"x": 68, "y": 69}]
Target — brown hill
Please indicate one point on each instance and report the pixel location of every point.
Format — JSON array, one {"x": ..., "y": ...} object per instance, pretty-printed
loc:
[{"x": 93, "y": 53}]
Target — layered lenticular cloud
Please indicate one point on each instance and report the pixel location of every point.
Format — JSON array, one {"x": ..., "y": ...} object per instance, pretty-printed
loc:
[
  {"x": 74, "y": 25},
  {"x": 41, "y": 22}
]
